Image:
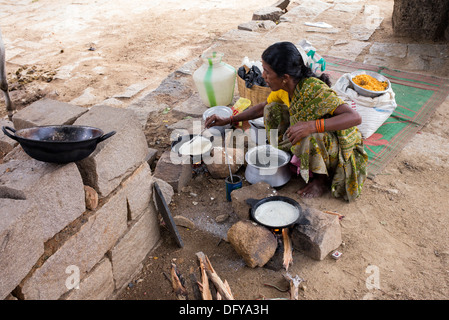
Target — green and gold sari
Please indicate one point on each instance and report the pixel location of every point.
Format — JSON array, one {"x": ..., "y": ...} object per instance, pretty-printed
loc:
[{"x": 337, "y": 154}]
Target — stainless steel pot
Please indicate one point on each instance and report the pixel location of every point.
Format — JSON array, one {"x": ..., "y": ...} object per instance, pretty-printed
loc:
[{"x": 269, "y": 164}]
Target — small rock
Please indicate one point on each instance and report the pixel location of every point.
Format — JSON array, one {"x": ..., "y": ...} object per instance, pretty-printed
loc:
[
  {"x": 91, "y": 198},
  {"x": 183, "y": 222},
  {"x": 219, "y": 167},
  {"x": 268, "y": 13},
  {"x": 222, "y": 218}
]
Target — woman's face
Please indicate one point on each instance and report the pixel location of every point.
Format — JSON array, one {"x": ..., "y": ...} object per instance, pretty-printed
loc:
[{"x": 271, "y": 77}]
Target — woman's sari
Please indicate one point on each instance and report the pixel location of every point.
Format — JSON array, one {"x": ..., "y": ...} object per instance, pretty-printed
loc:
[{"x": 338, "y": 154}]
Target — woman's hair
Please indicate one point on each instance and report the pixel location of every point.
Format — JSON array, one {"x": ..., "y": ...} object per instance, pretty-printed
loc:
[{"x": 284, "y": 58}]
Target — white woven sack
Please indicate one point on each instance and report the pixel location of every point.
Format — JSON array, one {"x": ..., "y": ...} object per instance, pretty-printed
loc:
[{"x": 374, "y": 111}]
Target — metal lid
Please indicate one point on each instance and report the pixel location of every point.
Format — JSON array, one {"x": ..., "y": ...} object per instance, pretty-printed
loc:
[{"x": 259, "y": 123}]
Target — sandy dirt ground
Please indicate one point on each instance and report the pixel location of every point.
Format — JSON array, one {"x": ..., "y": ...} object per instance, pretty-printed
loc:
[{"x": 394, "y": 236}]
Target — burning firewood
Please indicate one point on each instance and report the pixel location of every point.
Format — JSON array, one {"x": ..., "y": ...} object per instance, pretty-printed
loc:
[
  {"x": 178, "y": 283},
  {"x": 294, "y": 285},
  {"x": 288, "y": 258},
  {"x": 222, "y": 287}
]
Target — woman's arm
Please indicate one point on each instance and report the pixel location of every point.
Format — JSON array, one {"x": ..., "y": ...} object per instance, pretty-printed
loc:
[
  {"x": 344, "y": 117},
  {"x": 249, "y": 114}
]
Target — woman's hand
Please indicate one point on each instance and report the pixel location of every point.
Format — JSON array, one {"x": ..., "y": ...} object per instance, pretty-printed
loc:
[
  {"x": 300, "y": 130},
  {"x": 215, "y": 120}
]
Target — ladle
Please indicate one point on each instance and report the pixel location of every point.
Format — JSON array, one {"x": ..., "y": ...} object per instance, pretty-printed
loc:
[
  {"x": 229, "y": 164},
  {"x": 191, "y": 140}
]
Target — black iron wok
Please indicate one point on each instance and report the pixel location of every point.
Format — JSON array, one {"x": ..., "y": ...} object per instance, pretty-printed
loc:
[
  {"x": 255, "y": 204},
  {"x": 58, "y": 144}
]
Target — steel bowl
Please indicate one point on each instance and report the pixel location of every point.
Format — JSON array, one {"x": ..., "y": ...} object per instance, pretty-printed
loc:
[
  {"x": 221, "y": 111},
  {"x": 366, "y": 92}
]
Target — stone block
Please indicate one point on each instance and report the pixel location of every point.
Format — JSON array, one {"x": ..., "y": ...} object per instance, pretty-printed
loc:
[
  {"x": 350, "y": 50},
  {"x": 254, "y": 243},
  {"x": 151, "y": 156},
  {"x": 132, "y": 90},
  {"x": 116, "y": 157},
  {"x": 47, "y": 112},
  {"x": 139, "y": 191},
  {"x": 398, "y": 50},
  {"x": 191, "y": 107},
  {"x": 220, "y": 162},
  {"x": 55, "y": 191},
  {"x": 177, "y": 175},
  {"x": 249, "y": 26},
  {"x": 166, "y": 189},
  {"x": 21, "y": 243},
  {"x": 268, "y": 13},
  {"x": 257, "y": 191},
  {"x": 178, "y": 86},
  {"x": 6, "y": 143},
  {"x": 17, "y": 153},
  {"x": 81, "y": 251},
  {"x": 316, "y": 234},
  {"x": 308, "y": 9},
  {"x": 282, "y": 4},
  {"x": 362, "y": 32},
  {"x": 60, "y": 198},
  {"x": 97, "y": 285},
  {"x": 186, "y": 126},
  {"x": 128, "y": 254}
]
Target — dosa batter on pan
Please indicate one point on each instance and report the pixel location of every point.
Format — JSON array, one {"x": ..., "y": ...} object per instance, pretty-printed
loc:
[
  {"x": 195, "y": 147},
  {"x": 276, "y": 213}
]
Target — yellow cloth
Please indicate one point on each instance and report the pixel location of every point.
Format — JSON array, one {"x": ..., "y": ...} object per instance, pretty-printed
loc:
[{"x": 280, "y": 96}]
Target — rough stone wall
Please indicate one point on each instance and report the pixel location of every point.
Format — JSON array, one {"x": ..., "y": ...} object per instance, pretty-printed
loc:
[
  {"x": 421, "y": 19},
  {"x": 51, "y": 245}
]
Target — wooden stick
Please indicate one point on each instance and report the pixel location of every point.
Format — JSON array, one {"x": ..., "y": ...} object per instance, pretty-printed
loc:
[
  {"x": 294, "y": 285},
  {"x": 219, "y": 284},
  {"x": 177, "y": 283},
  {"x": 204, "y": 284},
  {"x": 288, "y": 257},
  {"x": 222, "y": 288},
  {"x": 340, "y": 216},
  {"x": 195, "y": 286}
]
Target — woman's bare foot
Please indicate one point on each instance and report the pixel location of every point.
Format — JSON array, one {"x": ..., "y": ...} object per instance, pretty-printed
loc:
[{"x": 315, "y": 188}]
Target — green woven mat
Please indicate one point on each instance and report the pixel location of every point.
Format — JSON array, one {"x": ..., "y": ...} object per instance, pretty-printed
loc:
[{"x": 417, "y": 97}]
